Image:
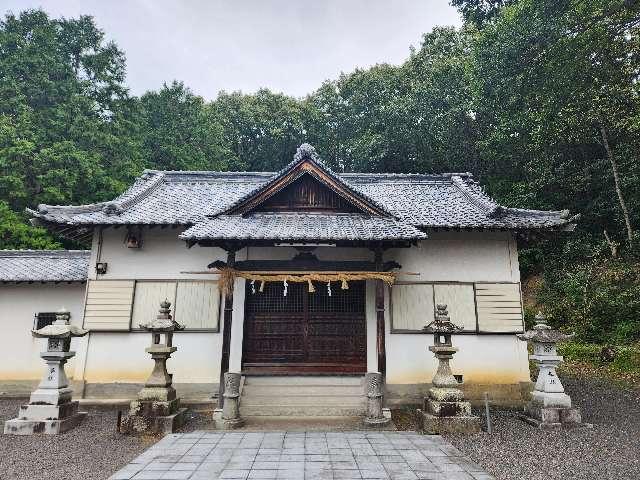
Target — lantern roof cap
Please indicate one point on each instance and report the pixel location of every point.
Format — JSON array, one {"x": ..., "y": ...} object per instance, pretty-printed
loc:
[
  {"x": 164, "y": 322},
  {"x": 60, "y": 328},
  {"x": 442, "y": 322},
  {"x": 543, "y": 333}
]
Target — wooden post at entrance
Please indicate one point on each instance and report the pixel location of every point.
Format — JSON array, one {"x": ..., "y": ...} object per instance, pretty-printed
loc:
[
  {"x": 226, "y": 332},
  {"x": 380, "y": 343}
]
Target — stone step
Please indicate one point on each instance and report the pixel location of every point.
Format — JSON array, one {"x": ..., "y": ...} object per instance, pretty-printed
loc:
[
  {"x": 310, "y": 390},
  {"x": 310, "y": 380},
  {"x": 295, "y": 399},
  {"x": 301, "y": 410}
]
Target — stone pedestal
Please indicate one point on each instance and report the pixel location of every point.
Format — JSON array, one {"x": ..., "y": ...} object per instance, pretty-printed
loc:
[
  {"x": 50, "y": 409},
  {"x": 157, "y": 408},
  {"x": 228, "y": 418},
  {"x": 550, "y": 407},
  {"x": 377, "y": 416},
  {"x": 445, "y": 410}
]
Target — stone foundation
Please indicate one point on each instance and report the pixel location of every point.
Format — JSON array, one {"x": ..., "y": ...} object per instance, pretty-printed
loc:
[
  {"x": 59, "y": 419},
  {"x": 434, "y": 425}
]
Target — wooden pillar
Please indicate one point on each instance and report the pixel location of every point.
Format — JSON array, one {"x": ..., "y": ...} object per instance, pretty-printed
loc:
[
  {"x": 380, "y": 343},
  {"x": 226, "y": 331}
]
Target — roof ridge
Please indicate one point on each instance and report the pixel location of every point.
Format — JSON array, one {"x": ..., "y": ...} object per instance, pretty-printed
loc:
[
  {"x": 477, "y": 196},
  {"x": 131, "y": 196},
  {"x": 43, "y": 253}
]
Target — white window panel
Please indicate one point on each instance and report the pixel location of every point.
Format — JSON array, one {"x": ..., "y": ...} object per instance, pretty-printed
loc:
[
  {"x": 108, "y": 305},
  {"x": 499, "y": 307},
  {"x": 460, "y": 304},
  {"x": 412, "y": 306},
  {"x": 146, "y": 302},
  {"x": 198, "y": 304}
]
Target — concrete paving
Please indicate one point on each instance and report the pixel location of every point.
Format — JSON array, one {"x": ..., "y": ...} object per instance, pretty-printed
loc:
[{"x": 296, "y": 455}]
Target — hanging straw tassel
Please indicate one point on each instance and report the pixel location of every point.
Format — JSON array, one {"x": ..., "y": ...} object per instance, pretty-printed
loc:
[
  {"x": 311, "y": 287},
  {"x": 345, "y": 285},
  {"x": 225, "y": 282}
]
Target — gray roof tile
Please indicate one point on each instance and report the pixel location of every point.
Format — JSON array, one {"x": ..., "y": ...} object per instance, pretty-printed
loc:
[
  {"x": 302, "y": 226},
  {"x": 451, "y": 200},
  {"x": 44, "y": 265}
]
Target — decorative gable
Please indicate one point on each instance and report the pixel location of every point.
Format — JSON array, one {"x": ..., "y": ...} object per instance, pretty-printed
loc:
[
  {"x": 306, "y": 184},
  {"x": 307, "y": 194}
]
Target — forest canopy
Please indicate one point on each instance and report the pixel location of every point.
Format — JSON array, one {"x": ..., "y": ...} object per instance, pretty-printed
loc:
[{"x": 537, "y": 98}]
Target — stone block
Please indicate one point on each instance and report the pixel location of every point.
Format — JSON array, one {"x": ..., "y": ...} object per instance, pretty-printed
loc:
[
  {"x": 160, "y": 394},
  {"x": 446, "y": 394},
  {"x": 570, "y": 416},
  {"x": 433, "y": 425},
  {"x": 48, "y": 412},
  {"x": 153, "y": 424},
  {"x": 51, "y": 396},
  {"x": 154, "y": 407},
  {"x": 19, "y": 426},
  {"x": 447, "y": 409},
  {"x": 553, "y": 418}
]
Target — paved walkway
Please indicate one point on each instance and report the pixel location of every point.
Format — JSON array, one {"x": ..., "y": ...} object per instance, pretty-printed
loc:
[{"x": 302, "y": 455}]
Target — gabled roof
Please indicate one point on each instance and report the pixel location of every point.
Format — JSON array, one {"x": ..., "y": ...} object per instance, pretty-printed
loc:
[
  {"x": 445, "y": 201},
  {"x": 306, "y": 161},
  {"x": 43, "y": 265}
]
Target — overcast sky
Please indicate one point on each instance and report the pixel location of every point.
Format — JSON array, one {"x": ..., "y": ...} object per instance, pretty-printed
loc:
[{"x": 289, "y": 46}]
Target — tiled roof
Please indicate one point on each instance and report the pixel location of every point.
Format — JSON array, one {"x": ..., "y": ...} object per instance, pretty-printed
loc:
[
  {"x": 44, "y": 265},
  {"x": 451, "y": 200},
  {"x": 302, "y": 226}
]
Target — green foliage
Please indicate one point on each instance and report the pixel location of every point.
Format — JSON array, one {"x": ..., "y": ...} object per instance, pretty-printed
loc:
[
  {"x": 524, "y": 96},
  {"x": 597, "y": 297},
  {"x": 15, "y": 233},
  {"x": 626, "y": 358}
]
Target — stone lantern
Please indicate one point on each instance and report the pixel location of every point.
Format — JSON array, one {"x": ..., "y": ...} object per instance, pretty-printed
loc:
[
  {"x": 50, "y": 409},
  {"x": 550, "y": 407},
  {"x": 444, "y": 407},
  {"x": 157, "y": 408}
]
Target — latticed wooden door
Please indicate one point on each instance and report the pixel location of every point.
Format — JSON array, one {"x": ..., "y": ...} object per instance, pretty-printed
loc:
[{"x": 303, "y": 331}]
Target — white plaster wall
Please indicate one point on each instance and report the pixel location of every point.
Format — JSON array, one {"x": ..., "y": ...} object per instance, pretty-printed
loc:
[
  {"x": 119, "y": 357},
  {"x": 445, "y": 256},
  {"x": 162, "y": 256},
  {"x": 458, "y": 256},
  {"x": 18, "y": 304}
]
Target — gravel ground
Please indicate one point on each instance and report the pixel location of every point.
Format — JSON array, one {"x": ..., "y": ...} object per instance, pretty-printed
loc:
[
  {"x": 93, "y": 451},
  {"x": 611, "y": 450},
  {"x": 514, "y": 451}
]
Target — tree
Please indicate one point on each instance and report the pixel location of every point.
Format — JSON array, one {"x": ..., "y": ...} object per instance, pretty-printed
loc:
[
  {"x": 179, "y": 132},
  {"x": 480, "y": 12},
  {"x": 65, "y": 116},
  {"x": 557, "y": 100},
  {"x": 16, "y": 234},
  {"x": 261, "y": 130}
]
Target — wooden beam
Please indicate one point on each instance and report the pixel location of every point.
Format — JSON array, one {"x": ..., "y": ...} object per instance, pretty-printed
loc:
[
  {"x": 226, "y": 332},
  {"x": 380, "y": 337}
]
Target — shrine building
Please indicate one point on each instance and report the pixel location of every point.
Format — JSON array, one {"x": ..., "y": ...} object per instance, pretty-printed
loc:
[{"x": 301, "y": 280}]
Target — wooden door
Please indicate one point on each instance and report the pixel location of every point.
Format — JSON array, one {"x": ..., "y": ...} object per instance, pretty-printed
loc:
[{"x": 305, "y": 332}]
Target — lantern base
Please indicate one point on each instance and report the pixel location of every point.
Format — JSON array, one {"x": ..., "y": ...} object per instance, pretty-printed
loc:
[
  {"x": 434, "y": 425},
  {"x": 552, "y": 418},
  {"x": 132, "y": 424},
  {"x": 45, "y": 419}
]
